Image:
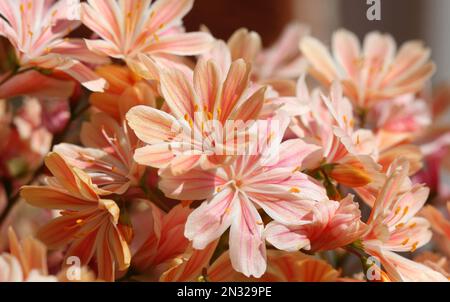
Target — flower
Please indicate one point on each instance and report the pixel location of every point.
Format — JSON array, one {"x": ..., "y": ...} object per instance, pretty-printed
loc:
[
  {"x": 26, "y": 262},
  {"x": 129, "y": 28},
  {"x": 331, "y": 225},
  {"x": 373, "y": 74},
  {"x": 440, "y": 225},
  {"x": 281, "y": 267},
  {"x": 393, "y": 227},
  {"x": 165, "y": 241},
  {"x": 276, "y": 66},
  {"x": 108, "y": 155},
  {"x": 348, "y": 153},
  {"x": 234, "y": 192},
  {"x": 124, "y": 90},
  {"x": 196, "y": 130},
  {"x": 435, "y": 145},
  {"x": 37, "y": 29},
  {"x": 88, "y": 224},
  {"x": 25, "y": 138}
]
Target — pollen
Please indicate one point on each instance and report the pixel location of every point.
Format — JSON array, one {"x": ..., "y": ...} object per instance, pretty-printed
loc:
[
  {"x": 295, "y": 190},
  {"x": 345, "y": 119},
  {"x": 405, "y": 242},
  {"x": 414, "y": 246},
  {"x": 400, "y": 225},
  {"x": 79, "y": 221}
]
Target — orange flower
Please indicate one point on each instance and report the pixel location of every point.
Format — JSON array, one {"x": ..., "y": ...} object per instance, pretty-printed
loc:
[
  {"x": 124, "y": 87},
  {"x": 88, "y": 224}
]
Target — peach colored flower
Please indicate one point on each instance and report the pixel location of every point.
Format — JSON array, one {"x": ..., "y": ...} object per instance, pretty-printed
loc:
[
  {"x": 88, "y": 224},
  {"x": 129, "y": 28},
  {"x": 436, "y": 262},
  {"x": 27, "y": 261},
  {"x": 164, "y": 243},
  {"x": 276, "y": 66},
  {"x": 188, "y": 136},
  {"x": 330, "y": 225},
  {"x": 440, "y": 225},
  {"x": 281, "y": 267},
  {"x": 348, "y": 153},
  {"x": 234, "y": 192},
  {"x": 374, "y": 73},
  {"x": 37, "y": 30},
  {"x": 394, "y": 227},
  {"x": 124, "y": 88},
  {"x": 107, "y": 156},
  {"x": 191, "y": 265}
]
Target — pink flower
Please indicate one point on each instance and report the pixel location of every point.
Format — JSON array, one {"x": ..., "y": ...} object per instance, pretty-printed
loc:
[
  {"x": 348, "y": 153},
  {"x": 372, "y": 74},
  {"x": 330, "y": 225},
  {"x": 394, "y": 227},
  {"x": 235, "y": 192},
  {"x": 37, "y": 29},
  {"x": 129, "y": 28},
  {"x": 195, "y": 131}
]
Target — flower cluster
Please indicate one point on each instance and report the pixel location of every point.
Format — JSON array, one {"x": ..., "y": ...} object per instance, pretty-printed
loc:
[{"x": 149, "y": 153}]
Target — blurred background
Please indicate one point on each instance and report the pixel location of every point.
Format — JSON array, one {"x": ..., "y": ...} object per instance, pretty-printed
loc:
[{"x": 405, "y": 19}]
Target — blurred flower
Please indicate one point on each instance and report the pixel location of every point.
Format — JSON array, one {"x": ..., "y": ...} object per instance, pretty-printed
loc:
[
  {"x": 441, "y": 227},
  {"x": 436, "y": 262},
  {"x": 26, "y": 262},
  {"x": 372, "y": 74}
]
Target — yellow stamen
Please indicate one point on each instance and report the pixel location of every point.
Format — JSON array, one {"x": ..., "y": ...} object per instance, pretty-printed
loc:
[
  {"x": 405, "y": 241},
  {"x": 400, "y": 225},
  {"x": 295, "y": 190},
  {"x": 414, "y": 246}
]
